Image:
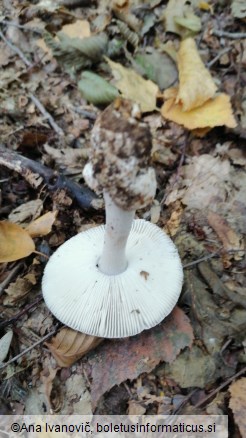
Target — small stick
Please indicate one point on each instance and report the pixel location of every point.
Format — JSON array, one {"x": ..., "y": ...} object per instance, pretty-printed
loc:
[
  {"x": 21, "y": 313},
  {"x": 47, "y": 115},
  {"x": 223, "y": 385},
  {"x": 40, "y": 341},
  {"x": 217, "y": 57},
  {"x": 16, "y": 50},
  {"x": 231, "y": 35},
  {"x": 7, "y": 280},
  {"x": 203, "y": 259},
  {"x": 21, "y": 26}
]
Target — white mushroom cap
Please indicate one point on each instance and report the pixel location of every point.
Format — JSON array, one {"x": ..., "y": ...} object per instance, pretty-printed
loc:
[{"x": 114, "y": 306}]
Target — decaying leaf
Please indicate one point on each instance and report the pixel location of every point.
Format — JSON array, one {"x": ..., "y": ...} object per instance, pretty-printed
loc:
[
  {"x": 214, "y": 112},
  {"x": 15, "y": 242},
  {"x": 18, "y": 289},
  {"x": 230, "y": 239},
  {"x": 96, "y": 89},
  {"x": 238, "y": 403},
  {"x": 26, "y": 212},
  {"x": 72, "y": 159},
  {"x": 78, "y": 29},
  {"x": 69, "y": 345},
  {"x": 5, "y": 342},
  {"x": 134, "y": 87},
  {"x": 196, "y": 85},
  {"x": 128, "y": 358},
  {"x": 43, "y": 225}
]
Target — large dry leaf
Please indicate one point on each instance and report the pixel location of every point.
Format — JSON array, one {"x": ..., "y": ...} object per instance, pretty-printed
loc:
[
  {"x": 196, "y": 85},
  {"x": 134, "y": 87},
  {"x": 238, "y": 404},
  {"x": 15, "y": 242},
  {"x": 215, "y": 112},
  {"x": 230, "y": 239},
  {"x": 119, "y": 360},
  {"x": 43, "y": 225},
  {"x": 69, "y": 345}
]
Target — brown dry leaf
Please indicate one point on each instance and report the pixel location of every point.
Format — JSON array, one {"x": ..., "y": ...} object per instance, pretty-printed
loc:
[
  {"x": 134, "y": 87},
  {"x": 78, "y": 29},
  {"x": 117, "y": 361},
  {"x": 196, "y": 85},
  {"x": 215, "y": 112},
  {"x": 69, "y": 345},
  {"x": 43, "y": 225},
  {"x": 172, "y": 224},
  {"x": 73, "y": 159},
  {"x": 238, "y": 404},
  {"x": 27, "y": 211},
  {"x": 230, "y": 239},
  {"x": 15, "y": 243},
  {"x": 19, "y": 289}
]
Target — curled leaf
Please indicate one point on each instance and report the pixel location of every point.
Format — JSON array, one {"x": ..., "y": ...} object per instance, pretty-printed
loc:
[
  {"x": 69, "y": 345},
  {"x": 129, "y": 35},
  {"x": 96, "y": 90},
  {"x": 196, "y": 83},
  {"x": 15, "y": 242}
]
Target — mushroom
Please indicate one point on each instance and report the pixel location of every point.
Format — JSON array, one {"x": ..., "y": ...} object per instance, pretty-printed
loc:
[{"x": 118, "y": 279}]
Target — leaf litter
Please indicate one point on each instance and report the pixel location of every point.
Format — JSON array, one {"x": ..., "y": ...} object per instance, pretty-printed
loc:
[{"x": 200, "y": 199}]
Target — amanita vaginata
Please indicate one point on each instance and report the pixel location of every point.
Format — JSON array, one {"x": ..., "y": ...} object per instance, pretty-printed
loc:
[{"x": 119, "y": 279}]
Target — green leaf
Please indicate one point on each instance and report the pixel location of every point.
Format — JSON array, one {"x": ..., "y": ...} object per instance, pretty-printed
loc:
[{"x": 96, "y": 90}]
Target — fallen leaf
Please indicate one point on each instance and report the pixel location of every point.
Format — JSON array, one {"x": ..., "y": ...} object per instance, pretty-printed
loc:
[
  {"x": 176, "y": 10},
  {"x": 238, "y": 403},
  {"x": 18, "y": 289},
  {"x": 196, "y": 83},
  {"x": 43, "y": 225},
  {"x": 96, "y": 89},
  {"x": 117, "y": 361},
  {"x": 24, "y": 212},
  {"x": 191, "y": 22},
  {"x": 5, "y": 342},
  {"x": 78, "y": 29},
  {"x": 69, "y": 345},
  {"x": 172, "y": 224},
  {"x": 15, "y": 242},
  {"x": 158, "y": 67},
  {"x": 134, "y": 87},
  {"x": 215, "y": 112},
  {"x": 230, "y": 239}
]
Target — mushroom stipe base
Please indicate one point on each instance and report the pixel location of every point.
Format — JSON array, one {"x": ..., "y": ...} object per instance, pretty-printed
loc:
[{"x": 114, "y": 306}]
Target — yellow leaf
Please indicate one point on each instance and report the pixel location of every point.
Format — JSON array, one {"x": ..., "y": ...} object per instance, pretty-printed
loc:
[
  {"x": 215, "y": 112},
  {"x": 134, "y": 87},
  {"x": 15, "y": 242},
  {"x": 79, "y": 29},
  {"x": 196, "y": 84},
  {"x": 69, "y": 345},
  {"x": 43, "y": 225}
]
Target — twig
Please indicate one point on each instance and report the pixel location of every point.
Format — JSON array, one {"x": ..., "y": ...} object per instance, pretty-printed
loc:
[
  {"x": 40, "y": 341},
  {"x": 231, "y": 35},
  {"x": 203, "y": 259},
  {"x": 47, "y": 115},
  {"x": 7, "y": 280},
  {"x": 21, "y": 26},
  {"x": 218, "y": 56},
  {"x": 223, "y": 385},
  {"x": 36, "y": 174},
  {"x": 21, "y": 313},
  {"x": 16, "y": 50}
]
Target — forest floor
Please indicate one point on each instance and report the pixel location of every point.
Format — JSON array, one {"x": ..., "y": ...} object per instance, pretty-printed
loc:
[{"x": 62, "y": 63}]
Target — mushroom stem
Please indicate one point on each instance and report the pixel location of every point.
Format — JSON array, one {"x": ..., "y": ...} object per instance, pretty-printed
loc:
[{"x": 118, "y": 226}]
